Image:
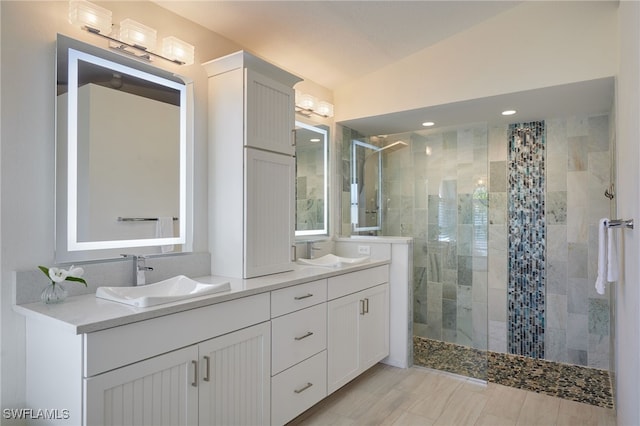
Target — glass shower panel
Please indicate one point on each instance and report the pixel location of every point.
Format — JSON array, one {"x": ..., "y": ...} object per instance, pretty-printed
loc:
[{"x": 437, "y": 193}]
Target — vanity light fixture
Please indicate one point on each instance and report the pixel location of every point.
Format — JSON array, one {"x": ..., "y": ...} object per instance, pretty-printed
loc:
[
  {"x": 178, "y": 50},
  {"x": 324, "y": 109},
  {"x": 308, "y": 104},
  {"x": 92, "y": 17},
  {"x": 133, "y": 38},
  {"x": 138, "y": 35}
]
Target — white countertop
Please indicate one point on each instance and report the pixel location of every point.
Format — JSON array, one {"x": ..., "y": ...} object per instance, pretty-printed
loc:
[{"x": 86, "y": 313}]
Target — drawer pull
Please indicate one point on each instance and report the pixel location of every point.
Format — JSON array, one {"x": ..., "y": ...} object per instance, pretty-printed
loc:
[
  {"x": 207, "y": 369},
  {"x": 310, "y": 333},
  {"x": 304, "y": 388},
  {"x": 362, "y": 311},
  {"x": 195, "y": 374},
  {"x": 303, "y": 297},
  {"x": 366, "y": 305}
]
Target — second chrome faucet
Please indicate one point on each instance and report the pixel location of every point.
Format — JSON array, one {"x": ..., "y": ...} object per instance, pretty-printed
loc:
[{"x": 139, "y": 268}]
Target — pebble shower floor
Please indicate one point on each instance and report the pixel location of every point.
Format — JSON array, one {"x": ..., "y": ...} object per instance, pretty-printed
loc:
[{"x": 572, "y": 382}]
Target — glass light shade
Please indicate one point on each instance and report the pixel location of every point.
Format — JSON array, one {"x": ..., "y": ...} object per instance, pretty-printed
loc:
[
  {"x": 138, "y": 34},
  {"x": 307, "y": 102},
  {"x": 178, "y": 50},
  {"x": 324, "y": 109},
  {"x": 83, "y": 13}
]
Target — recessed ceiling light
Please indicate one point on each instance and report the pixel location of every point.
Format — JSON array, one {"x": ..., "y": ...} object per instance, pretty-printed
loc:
[
  {"x": 314, "y": 140},
  {"x": 509, "y": 112},
  {"x": 428, "y": 123}
]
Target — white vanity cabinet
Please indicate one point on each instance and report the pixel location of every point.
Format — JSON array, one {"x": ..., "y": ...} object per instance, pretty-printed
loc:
[
  {"x": 208, "y": 366},
  {"x": 358, "y": 324},
  {"x": 251, "y": 166},
  {"x": 299, "y": 343}
]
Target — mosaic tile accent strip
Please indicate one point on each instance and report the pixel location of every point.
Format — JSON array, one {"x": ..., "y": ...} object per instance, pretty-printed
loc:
[
  {"x": 527, "y": 238},
  {"x": 588, "y": 385}
]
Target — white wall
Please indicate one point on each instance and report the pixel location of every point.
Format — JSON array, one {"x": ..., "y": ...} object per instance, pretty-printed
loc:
[
  {"x": 549, "y": 43},
  {"x": 628, "y": 195}
]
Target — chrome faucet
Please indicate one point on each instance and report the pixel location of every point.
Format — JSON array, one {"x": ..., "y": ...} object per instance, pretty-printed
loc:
[
  {"x": 311, "y": 248},
  {"x": 139, "y": 268}
]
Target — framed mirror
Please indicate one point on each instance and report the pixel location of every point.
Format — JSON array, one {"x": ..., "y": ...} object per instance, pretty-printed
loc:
[
  {"x": 122, "y": 154},
  {"x": 366, "y": 185},
  {"x": 311, "y": 180}
]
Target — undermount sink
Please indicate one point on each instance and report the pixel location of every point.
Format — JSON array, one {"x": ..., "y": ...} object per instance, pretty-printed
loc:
[
  {"x": 170, "y": 290},
  {"x": 333, "y": 261}
]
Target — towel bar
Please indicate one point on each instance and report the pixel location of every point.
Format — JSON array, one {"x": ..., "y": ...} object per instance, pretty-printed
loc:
[
  {"x": 139, "y": 219},
  {"x": 620, "y": 223}
]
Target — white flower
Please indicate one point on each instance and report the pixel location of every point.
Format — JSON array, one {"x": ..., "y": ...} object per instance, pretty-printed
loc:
[
  {"x": 58, "y": 275},
  {"x": 75, "y": 272}
]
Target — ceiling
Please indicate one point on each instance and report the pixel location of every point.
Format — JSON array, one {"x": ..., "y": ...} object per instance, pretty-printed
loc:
[{"x": 335, "y": 42}]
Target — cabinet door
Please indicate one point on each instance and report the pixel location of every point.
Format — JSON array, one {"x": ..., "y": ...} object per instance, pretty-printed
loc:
[
  {"x": 157, "y": 391},
  {"x": 374, "y": 326},
  {"x": 270, "y": 114},
  {"x": 343, "y": 355},
  {"x": 269, "y": 213},
  {"x": 235, "y": 386}
]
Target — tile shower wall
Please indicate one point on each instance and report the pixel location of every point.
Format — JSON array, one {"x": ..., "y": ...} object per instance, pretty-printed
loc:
[
  {"x": 461, "y": 276},
  {"x": 577, "y": 173},
  {"x": 435, "y": 191},
  {"x": 527, "y": 237},
  {"x": 309, "y": 190}
]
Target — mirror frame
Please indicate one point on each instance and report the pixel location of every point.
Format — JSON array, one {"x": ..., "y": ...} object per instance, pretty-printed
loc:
[
  {"x": 325, "y": 142},
  {"x": 71, "y": 248},
  {"x": 354, "y": 188}
]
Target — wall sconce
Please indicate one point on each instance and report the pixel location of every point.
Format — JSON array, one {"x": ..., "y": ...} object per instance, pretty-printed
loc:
[
  {"x": 133, "y": 38},
  {"x": 308, "y": 104}
]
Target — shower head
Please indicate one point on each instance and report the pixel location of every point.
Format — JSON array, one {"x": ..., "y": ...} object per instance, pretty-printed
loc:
[{"x": 393, "y": 146}]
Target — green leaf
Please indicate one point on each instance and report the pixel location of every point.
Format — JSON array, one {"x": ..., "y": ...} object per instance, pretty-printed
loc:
[
  {"x": 45, "y": 270},
  {"x": 76, "y": 279}
]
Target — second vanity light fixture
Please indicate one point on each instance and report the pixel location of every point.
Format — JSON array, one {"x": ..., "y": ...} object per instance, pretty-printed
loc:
[
  {"x": 308, "y": 104},
  {"x": 133, "y": 38}
]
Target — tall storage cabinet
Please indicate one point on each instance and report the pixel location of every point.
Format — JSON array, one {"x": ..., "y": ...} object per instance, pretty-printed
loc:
[{"x": 251, "y": 166}]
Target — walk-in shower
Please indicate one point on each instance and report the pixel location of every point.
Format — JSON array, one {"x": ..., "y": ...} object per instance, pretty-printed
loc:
[{"x": 503, "y": 218}]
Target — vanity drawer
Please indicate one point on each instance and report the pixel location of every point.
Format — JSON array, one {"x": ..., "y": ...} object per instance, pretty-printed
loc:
[
  {"x": 297, "y": 336},
  {"x": 118, "y": 346},
  {"x": 297, "y": 389},
  {"x": 298, "y": 297},
  {"x": 354, "y": 282}
]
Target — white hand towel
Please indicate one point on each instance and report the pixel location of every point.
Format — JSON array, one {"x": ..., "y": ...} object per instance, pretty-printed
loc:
[
  {"x": 602, "y": 255},
  {"x": 164, "y": 229},
  {"x": 612, "y": 255}
]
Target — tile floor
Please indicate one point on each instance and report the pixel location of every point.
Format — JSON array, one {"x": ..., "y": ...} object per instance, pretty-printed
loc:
[{"x": 419, "y": 396}]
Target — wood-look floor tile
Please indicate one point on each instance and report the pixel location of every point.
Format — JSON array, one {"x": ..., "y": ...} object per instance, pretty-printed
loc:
[
  {"x": 538, "y": 409},
  {"x": 504, "y": 402},
  {"x": 473, "y": 403},
  {"x": 386, "y": 396}
]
